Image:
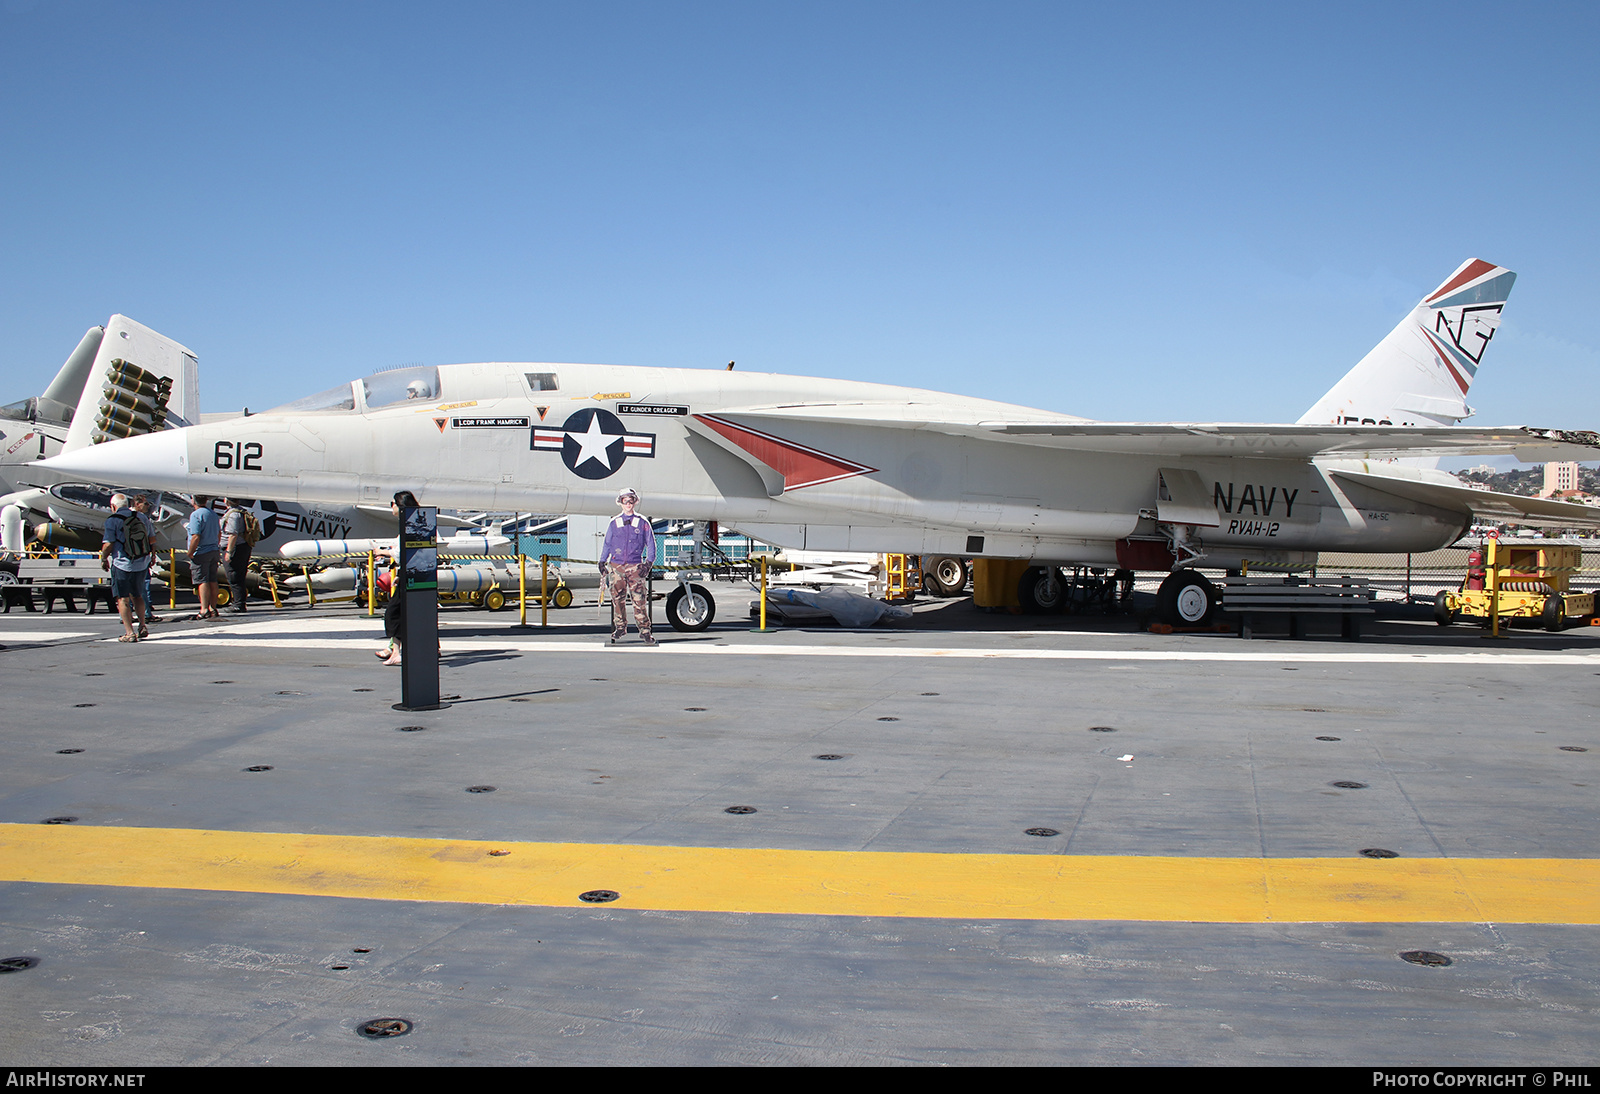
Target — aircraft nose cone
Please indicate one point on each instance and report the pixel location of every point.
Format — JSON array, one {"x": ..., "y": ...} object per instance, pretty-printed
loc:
[{"x": 154, "y": 460}]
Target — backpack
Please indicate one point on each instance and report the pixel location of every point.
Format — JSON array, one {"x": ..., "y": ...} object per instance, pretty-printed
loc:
[
  {"x": 135, "y": 538},
  {"x": 250, "y": 526}
]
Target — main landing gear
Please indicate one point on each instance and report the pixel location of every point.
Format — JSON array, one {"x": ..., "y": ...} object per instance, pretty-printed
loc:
[
  {"x": 1045, "y": 590},
  {"x": 944, "y": 575},
  {"x": 1186, "y": 599}
]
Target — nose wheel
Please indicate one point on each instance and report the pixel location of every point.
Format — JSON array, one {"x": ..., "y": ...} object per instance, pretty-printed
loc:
[
  {"x": 1041, "y": 591},
  {"x": 690, "y": 608}
]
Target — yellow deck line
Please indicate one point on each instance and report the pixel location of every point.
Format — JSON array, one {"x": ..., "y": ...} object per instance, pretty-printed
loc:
[{"x": 855, "y": 883}]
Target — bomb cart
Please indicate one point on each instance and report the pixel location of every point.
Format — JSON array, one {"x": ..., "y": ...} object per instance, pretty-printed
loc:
[{"x": 1529, "y": 581}]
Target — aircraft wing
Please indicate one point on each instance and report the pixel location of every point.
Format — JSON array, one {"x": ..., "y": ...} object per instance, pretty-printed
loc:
[
  {"x": 1531, "y": 445},
  {"x": 1343, "y": 442},
  {"x": 446, "y": 520},
  {"x": 1486, "y": 503}
]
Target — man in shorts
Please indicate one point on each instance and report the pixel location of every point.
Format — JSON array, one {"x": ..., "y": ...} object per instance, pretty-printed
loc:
[
  {"x": 125, "y": 555},
  {"x": 205, "y": 551}
]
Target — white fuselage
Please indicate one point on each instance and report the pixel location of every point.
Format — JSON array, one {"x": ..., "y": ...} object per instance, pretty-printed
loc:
[{"x": 856, "y": 468}]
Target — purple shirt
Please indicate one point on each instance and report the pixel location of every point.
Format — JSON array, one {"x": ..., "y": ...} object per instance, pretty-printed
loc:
[{"x": 629, "y": 540}]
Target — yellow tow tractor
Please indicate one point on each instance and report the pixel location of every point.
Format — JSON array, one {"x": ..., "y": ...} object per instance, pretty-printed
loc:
[{"x": 1528, "y": 581}]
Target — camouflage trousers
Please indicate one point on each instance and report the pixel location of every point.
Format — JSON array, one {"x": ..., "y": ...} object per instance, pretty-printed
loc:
[{"x": 626, "y": 580}]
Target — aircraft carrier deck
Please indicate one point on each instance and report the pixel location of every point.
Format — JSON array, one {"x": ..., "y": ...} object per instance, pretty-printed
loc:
[{"x": 263, "y": 855}]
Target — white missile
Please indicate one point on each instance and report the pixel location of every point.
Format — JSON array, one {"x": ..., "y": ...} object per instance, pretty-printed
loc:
[
  {"x": 335, "y": 579},
  {"x": 461, "y": 546},
  {"x": 468, "y": 579},
  {"x": 333, "y": 548},
  {"x": 348, "y": 579},
  {"x": 450, "y": 547}
]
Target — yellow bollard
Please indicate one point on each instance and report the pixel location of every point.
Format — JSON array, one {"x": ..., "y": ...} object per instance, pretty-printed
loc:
[
  {"x": 763, "y": 628},
  {"x": 277, "y": 601},
  {"x": 522, "y": 589},
  {"x": 544, "y": 590},
  {"x": 172, "y": 580},
  {"x": 1494, "y": 586},
  {"x": 310, "y": 593},
  {"x": 372, "y": 582}
]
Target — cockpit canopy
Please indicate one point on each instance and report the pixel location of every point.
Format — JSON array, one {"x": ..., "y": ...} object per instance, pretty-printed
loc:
[
  {"x": 400, "y": 385},
  {"x": 418, "y": 383},
  {"x": 33, "y": 408},
  {"x": 24, "y": 411}
]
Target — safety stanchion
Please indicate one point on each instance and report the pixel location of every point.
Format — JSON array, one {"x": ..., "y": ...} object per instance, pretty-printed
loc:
[
  {"x": 1493, "y": 562},
  {"x": 372, "y": 583},
  {"x": 763, "y": 629},
  {"x": 522, "y": 589}
]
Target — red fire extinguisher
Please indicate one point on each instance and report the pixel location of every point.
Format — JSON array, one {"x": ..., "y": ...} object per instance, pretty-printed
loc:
[{"x": 1475, "y": 568}]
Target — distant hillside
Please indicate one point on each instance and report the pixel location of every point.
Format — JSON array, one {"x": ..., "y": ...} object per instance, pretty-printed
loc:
[{"x": 1528, "y": 481}]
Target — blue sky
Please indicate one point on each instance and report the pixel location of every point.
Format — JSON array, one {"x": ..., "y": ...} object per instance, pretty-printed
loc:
[{"x": 1157, "y": 212}]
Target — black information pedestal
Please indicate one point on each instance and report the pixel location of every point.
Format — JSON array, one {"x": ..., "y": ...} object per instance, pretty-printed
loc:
[{"x": 419, "y": 632}]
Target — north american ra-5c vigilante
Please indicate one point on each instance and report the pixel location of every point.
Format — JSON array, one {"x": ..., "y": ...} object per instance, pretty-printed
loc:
[{"x": 841, "y": 465}]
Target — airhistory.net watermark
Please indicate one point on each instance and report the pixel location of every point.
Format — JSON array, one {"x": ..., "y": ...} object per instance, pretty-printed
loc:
[{"x": 53, "y": 1077}]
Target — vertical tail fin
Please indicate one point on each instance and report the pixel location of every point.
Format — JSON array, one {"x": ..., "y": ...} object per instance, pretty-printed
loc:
[
  {"x": 1419, "y": 374},
  {"x": 59, "y": 399},
  {"x": 140, "y": 382}
]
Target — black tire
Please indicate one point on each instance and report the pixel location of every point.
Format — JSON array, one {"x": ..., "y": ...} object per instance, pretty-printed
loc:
[
  {"x": 944, "y": 575},
  {"x": 690, "y": 608},
  {"x": 1442, "y": 614},
  {"x": 1186, "y": 599},
  {"x": 1041, "y": 591},
  {"x": 1553, "y": 617}
]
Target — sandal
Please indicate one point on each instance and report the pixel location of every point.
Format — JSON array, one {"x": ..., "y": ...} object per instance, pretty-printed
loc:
[
  {"x": 128, "y": 638},
  {"x": 144, "y": 631}
]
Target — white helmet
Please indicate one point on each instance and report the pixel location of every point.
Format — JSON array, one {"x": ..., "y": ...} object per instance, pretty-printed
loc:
[{"x": 627, "y": 492}]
